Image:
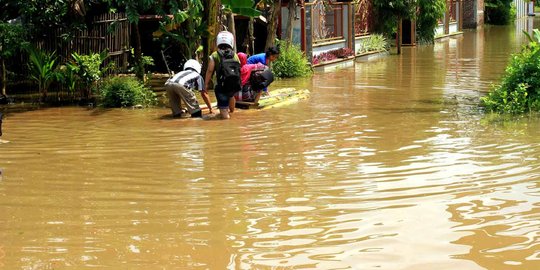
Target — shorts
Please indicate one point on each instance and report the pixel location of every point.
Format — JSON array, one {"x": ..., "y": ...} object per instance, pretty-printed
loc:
[{"x": 223, "y": 99}]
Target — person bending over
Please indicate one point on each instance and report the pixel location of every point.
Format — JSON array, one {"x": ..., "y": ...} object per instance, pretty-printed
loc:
[
  {"x": 181, "y": 86},
  {"x": 255, "y": 79}
]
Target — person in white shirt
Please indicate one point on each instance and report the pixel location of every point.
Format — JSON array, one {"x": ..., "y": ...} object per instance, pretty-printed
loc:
[{"x": 181, "y": 86}]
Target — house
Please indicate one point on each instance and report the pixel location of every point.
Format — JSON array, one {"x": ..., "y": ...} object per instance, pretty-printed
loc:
[{"x": 323, "y": 29}]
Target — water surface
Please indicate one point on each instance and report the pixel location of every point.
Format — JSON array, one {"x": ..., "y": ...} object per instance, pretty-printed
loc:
[{"x": 389, "y": 165}]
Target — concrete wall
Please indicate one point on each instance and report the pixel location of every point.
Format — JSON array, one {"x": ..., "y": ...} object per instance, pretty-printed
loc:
[
  {"x": 359, "y": 43},
  {"x": 328, "y": 46}
]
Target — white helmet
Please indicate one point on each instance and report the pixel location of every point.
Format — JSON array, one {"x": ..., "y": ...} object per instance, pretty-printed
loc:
[
  {"x": 193, "y": 64},
  {"x": 225, "y": 37}
]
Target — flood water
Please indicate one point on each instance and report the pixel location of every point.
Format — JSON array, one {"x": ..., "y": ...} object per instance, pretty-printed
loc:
[{"x": 389, "y": 165}]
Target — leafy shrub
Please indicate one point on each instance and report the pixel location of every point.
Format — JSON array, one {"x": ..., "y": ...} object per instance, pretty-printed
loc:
[
  {"x": 500, "y": 12},
  {"x": 292, "y": 62},
  {"x": 428, "y": 19},
  {"x": 387, "y": 12},
  {"x": 374, "y": 43},
  {"x": 519, "y": 91},
  {"x": 86, "y": 69},
  {"x": 125, "y": 92},
  {"x": 140, "y": 67}
]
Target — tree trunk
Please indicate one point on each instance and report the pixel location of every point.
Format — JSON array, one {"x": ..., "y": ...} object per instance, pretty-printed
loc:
[
  {"x": 210, "y": 16},
  {"x": 292, "y": 11},
  {"x": 139, "y": 68},
  {"x": 273, "y": 23},
  {"x": 4, "y": 77},
  {"x": 231, "y": 27},
  {"x": 399, "y": 36},
  {"x": 251, "y": 50}
]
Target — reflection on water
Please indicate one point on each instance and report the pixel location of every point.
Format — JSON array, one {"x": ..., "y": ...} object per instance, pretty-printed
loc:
[{"x": 389, "y": 165}]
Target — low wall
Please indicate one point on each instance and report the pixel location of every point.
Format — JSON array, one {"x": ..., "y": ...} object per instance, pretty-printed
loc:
[
  {"x": 328, "y": 46},
  {"x": 453, "y": 30},
  {"x": 359, "y": 42}
]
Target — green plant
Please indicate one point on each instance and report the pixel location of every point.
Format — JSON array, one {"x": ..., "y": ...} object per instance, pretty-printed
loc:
[
  {"x": 292, "y": 62},
  {"x": 185, "y": 27},
  {"x": 428, "y": 19},
  {"x": 142, "y": 64},
  {"x": 374, "y": 43},
  {"x": 499, "y": 12},
  {"x": 513, "y": 12},
  {"x": 519, "y": 90},
  {"x": 42, "y": 69},
  {"x": 88, "y": 69},
  {"x": 124, "y": 92},
  {"x": 388, "y": 13},
  {"x": 11, "y": 38},
  {"x": 69, "y": 77}
]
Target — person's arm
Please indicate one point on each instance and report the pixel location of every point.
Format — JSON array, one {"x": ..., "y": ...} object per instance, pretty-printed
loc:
[
  {"x": 206, "y": 99},
  {"x": 209, "y": 73},
  {"x": 204, "y": 93},
  {"x": 257, "y": 97},
  {"x": 208, "y": 77}
]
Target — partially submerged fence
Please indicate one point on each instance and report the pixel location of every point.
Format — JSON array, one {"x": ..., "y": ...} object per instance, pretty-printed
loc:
[
  {"x": 109, "y": 32},
  {"x": 363, "y": 17},
  {"x": 327, "y": 20}
]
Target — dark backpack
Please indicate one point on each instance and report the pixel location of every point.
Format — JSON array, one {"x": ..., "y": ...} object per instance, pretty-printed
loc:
[
  {"x": 261, "y": 78},
  {"x": 228, "y": 72}
]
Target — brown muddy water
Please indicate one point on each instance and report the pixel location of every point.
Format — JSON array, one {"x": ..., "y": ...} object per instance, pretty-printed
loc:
[{"x": 389, "y": 165}]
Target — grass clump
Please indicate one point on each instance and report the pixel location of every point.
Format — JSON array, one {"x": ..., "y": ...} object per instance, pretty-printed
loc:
[
  {"x": 374, "y": 43},
  {"x": 119, "y": 92}
]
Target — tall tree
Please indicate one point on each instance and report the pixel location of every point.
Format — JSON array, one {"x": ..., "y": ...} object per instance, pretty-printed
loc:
[
  {"x": 211, "y": 17},
  {"x": 12, "y": 36},
  {"x": 273, "y": 14}
]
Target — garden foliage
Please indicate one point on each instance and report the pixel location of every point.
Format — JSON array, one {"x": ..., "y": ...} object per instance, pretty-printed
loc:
[
  {"x": 519, "y": 91},
  {"x": 426, "y": 12},
  {"x": 12, "y": 39},
  {"x": 85, "y": 70},
  {"x": 374, "y": 43},
  {"x": 428, "y": 19},
  {"x": 43, "y": 69},
  {"x": 125, "y": 92},
  {"x": 500, "y": 12},
  {"x": 292, "y": 62},
  {"x": 388, "y": 13}
]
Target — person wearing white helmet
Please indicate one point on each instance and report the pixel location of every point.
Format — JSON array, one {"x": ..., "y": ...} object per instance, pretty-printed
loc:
[
  {"x": 226, "y": 65},
  {"x": 181, "y": 86}
]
